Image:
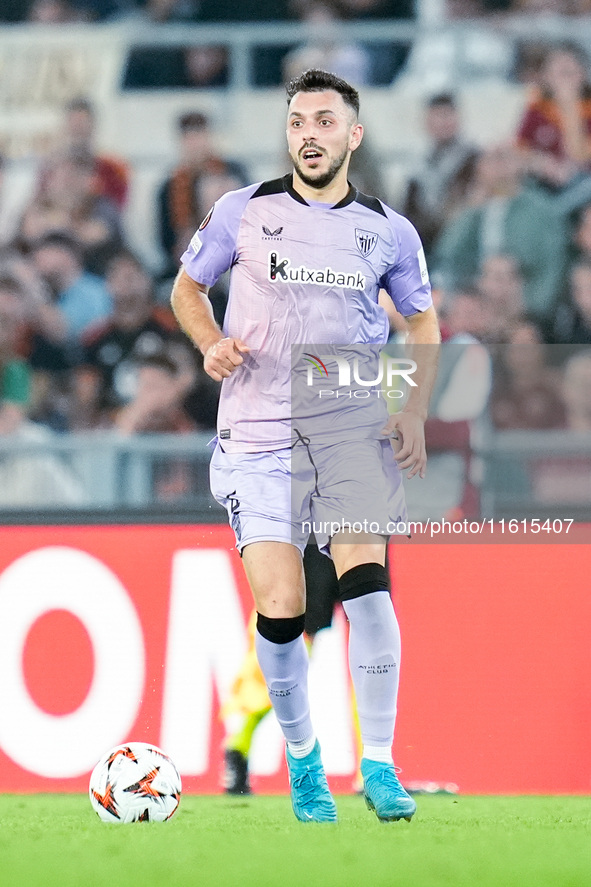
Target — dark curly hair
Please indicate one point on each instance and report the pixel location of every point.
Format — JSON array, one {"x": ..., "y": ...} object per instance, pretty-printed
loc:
[{"x": 318, "y": 81}]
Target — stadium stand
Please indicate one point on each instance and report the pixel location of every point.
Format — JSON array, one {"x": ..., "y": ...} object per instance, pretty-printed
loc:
[{"x": 489, "y": 62}]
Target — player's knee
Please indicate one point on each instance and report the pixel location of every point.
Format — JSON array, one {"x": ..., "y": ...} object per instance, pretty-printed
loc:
[
  {"x": 280, "y": 631},
  {"x": 363, "y": 579}
]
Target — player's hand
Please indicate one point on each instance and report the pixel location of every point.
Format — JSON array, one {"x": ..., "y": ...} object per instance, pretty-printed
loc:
[
  {"x": 407, "y": 433},
  {"x": 221, "y": 359}
]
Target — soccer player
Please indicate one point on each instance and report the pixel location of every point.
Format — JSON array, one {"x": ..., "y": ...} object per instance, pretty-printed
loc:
[{"x": 309, "y": 255}]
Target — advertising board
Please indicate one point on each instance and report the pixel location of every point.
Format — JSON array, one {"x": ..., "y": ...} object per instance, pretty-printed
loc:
[{"x": 120, "y": 633}]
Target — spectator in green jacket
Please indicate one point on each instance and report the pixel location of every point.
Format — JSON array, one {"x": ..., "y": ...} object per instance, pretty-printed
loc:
[{"x": 15, "y": 378}]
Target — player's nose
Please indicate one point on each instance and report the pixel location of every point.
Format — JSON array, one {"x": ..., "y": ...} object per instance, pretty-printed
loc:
[{"x": 310, "y": 130}]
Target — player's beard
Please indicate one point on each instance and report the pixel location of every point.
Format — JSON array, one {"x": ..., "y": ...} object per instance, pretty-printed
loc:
[{"x": 325, "y": 178}]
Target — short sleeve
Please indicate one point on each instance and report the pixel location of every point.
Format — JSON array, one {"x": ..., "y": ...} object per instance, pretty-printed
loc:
[
  {"x": 407, "y": 281},
  {"x": 212, "y": 249}
]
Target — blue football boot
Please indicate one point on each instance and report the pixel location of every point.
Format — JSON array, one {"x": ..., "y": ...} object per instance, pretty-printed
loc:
[
  {"x": 310, "y": 796},
  {"x": 384, "y": 793}
]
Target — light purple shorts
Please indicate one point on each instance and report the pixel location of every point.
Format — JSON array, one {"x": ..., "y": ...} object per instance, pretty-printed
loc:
[{"x": 285, "y": 495}]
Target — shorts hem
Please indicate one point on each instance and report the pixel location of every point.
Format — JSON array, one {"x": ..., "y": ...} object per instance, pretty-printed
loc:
[{"x": 268, "y": 538}]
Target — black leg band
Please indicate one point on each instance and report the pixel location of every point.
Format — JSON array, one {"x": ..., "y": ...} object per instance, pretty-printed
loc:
[
  {"x": 280, "y": 631},
  {"x": 363, "y": 579}
]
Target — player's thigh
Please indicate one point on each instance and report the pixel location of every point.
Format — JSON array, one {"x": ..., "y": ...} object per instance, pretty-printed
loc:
[{"x": 276, "y": 578}]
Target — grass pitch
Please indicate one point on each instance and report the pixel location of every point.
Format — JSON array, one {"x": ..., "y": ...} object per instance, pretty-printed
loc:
[{"x": 453, "y": 841}]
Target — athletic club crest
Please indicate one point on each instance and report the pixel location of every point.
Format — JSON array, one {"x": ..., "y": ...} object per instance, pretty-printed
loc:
[{"x": 366, "y": 241}]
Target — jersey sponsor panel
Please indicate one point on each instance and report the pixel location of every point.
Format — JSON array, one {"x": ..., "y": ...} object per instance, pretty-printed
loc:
[{"x": 281, "y": 269}]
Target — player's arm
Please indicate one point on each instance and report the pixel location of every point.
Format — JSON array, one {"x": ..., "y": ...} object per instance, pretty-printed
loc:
[
  {"x": 423, "y": 339},
  {"x": 212, "y": 251},
  {"x": 407, "y": 284},
  {"x": 192, "y": 309}
]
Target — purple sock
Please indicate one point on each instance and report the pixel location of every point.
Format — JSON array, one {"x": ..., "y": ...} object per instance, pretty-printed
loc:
[
  {"x": 374, "y": 660},
  {"x": 285, "y": 667}
]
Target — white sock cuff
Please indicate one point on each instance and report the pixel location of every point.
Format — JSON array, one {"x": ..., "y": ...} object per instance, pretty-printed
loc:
[
  {"x": 381, "y": 753},
  {"x": 301, "y": 748}
]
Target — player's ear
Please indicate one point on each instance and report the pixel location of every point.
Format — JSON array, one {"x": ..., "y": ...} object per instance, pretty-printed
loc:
[{"x": 356, "y": 136}]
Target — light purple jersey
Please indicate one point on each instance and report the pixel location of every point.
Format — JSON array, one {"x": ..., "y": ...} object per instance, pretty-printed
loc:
[{"x": 301, "y": 272}]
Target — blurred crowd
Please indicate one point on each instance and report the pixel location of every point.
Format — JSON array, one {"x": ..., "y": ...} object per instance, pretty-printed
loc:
[
  {"x": 61, "y": 11},
  {"x": 88, "y": 342}
]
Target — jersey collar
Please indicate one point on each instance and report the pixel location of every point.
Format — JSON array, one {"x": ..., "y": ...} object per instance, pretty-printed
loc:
[{"x": 289, "y": 189}]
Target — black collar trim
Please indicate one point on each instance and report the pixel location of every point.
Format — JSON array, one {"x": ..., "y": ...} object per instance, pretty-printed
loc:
[{"x": 289, "y": 189}]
